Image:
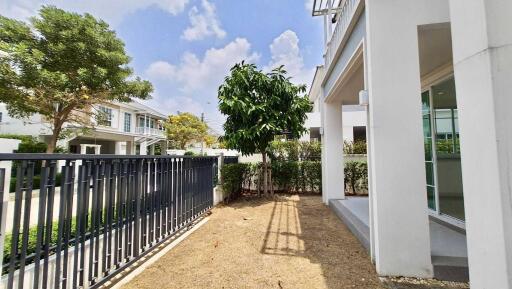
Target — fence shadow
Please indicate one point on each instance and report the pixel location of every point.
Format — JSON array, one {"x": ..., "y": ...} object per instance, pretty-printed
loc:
[{"x": 302, "y": 226}]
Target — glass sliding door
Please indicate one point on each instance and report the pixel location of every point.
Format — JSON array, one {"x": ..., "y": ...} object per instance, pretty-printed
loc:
[
  {"x": 429, "y": 152},
  {"x": 442, "y": 150},
  {"x": 448, "y": 165}
]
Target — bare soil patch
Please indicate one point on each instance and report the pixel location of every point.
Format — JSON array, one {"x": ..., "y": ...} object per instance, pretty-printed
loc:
[{"x": 284, "y": 242}]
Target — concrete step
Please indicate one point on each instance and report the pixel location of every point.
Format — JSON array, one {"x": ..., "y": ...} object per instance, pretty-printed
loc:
[
  {"x": 447, "y": 268},
  {"x": 360, "y": 230}
]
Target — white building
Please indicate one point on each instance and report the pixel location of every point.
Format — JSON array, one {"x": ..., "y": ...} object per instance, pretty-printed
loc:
[
  {"x": 354, "y": 116},
  {"x": 124, "y": 128},
  {"x": 435, "y": 78}
]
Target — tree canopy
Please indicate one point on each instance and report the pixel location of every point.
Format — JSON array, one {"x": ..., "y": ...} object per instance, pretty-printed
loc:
[
  {"x": 60, "y": 65},
  {"x": 184, "y": 128},
  {"x": 260, "y": 106}
]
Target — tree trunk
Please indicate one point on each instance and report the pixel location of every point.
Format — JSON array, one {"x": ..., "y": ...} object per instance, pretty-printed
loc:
[
  {"x": 57, "y": 128},
  {"x": 265, "y": 175}
]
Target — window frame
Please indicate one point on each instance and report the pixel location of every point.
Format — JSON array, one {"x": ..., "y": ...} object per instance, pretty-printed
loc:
[{"x": 127, "y": 123}]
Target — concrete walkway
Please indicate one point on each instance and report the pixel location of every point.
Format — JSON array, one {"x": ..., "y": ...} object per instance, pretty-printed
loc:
[{"x": 289, "y": 242}]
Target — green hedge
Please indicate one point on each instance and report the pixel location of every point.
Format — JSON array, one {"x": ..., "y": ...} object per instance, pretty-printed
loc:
[
  {"x": 292, "y": 151},
  {"x": 356, "y": 177},
  {"x": 354, "y": 148},
  {"x": 233, "y": 178},
  {"x": 288, "y": 177},
  {"x": 305, "y": 176}
]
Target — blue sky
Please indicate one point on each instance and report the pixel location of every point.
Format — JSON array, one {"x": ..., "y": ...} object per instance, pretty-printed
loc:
[{"x": 186, "y": 47}]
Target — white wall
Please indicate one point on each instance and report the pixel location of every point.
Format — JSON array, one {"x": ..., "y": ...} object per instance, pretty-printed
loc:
[
  {"x": 352, "y": 118},
  {"x": 400, "y": 235},
  {"x": 482, "y": 54},
  {"x": 31, "y": 126}
]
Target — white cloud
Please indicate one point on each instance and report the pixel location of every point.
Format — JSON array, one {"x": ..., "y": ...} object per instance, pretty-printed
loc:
[
  {"x": 195, "y": 74},
  {"x": 204, "y": 23},
  {"x": 161, "y": 70},
  {"x": 112, "y": 11},
  {"x": 172, "y": 105},
  {"x": 196, "y": 79},
  {"x": 285, "y": 51}
]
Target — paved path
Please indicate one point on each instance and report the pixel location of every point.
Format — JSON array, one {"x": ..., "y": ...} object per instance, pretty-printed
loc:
[{"x": 289, "y": 242}]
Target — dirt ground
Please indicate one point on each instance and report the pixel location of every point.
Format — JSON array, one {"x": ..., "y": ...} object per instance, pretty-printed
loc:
[{"x": 288, "y": 242}]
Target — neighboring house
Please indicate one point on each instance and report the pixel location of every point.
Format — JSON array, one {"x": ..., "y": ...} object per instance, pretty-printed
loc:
[
  {"x": 354, "y": 116},
  {"x": 435, "y": 78},
  {"x": 117, "y": 128}
]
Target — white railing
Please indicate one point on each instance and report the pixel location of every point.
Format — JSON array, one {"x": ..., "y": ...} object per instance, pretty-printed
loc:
[
  {"x": 348, "y": 8},
  {"x": 149, "y": 131}
]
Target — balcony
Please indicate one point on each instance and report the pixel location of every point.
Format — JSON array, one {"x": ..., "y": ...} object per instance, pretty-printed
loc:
[
  {"x": 344, "y": 21},
  {"x": 149, "y": 131}
]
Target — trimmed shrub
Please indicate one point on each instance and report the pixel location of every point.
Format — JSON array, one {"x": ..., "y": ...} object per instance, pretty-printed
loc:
[
  {"x": 298, "y": 177},
  {"x": 285, "y": 175},
  {"x": 356, "y": 177},
  {"x": 313, "y": 175},
  {"x": 354, "y": 148},
  {"x": 233, "y": 178},
  {"x": 293, "y": 151}
]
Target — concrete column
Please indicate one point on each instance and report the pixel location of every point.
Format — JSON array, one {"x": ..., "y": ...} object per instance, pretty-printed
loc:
[
  {"x": 7, "y": 146},
  {"x": 83, "y": 149},
  {"x": 121, "y": 148},
  {"x": 130, "y": 147},
  {"x": 152, "y": 149},
  {"x": 332, "y": 152},
  {"x": 144, "y": 148},
  {"x": 482, "y": 54},
  {"x": 401, "y": 240}
]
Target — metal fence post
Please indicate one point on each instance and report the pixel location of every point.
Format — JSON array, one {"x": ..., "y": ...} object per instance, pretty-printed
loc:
[
  {"x": 220, "y": 165},
  {"x": 8, "y": 146}
]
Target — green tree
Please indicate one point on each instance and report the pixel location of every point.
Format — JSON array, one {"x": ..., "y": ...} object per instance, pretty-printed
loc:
[
  {"x": 61, "y": 65},
  {"x": 258, "y": 107},
  {"x": 185, "y": 128}
]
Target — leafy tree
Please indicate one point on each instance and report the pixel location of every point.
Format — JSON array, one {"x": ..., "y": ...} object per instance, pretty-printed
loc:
[
  {"x": 61, "y": 65},
  {"x": 210, "y": 140},
  {"x": 260, "y": 106},
  {"x": 185, "y": 128}
]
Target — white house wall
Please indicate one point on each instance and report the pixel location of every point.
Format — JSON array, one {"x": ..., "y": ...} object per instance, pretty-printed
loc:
[
  {"x": 348, "y": 51},
  {"x": 350, "y": 120},
  {"x": 399, "y": 202},
  {"x": 31, "y": 126},
  {"x": 482, "y": 53}
]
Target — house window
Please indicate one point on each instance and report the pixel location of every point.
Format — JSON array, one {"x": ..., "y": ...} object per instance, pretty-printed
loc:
[
  {"x": 104, "y": 116},
  {"x": 127, "y": 122},
  {"x": 1, "y": 117},
  {"x": 359, "y": 133}
]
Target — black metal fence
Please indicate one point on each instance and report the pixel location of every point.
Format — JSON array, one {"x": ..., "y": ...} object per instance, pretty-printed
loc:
[
  {"x": 230, "y": 160},
  {"x": 106, "y": 214}
]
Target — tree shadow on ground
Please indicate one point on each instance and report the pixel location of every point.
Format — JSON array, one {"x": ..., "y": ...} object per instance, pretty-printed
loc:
[{"x": 303, "y": 227}]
